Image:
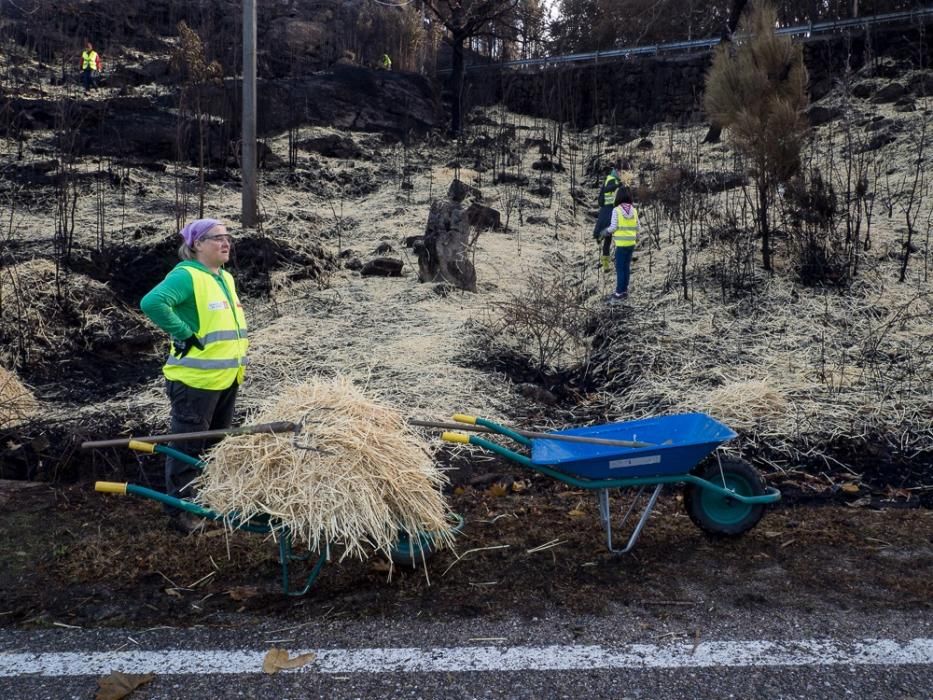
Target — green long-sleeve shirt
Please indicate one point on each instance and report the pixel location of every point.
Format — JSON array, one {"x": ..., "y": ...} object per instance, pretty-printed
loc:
[{"x": 171, "y": 305}]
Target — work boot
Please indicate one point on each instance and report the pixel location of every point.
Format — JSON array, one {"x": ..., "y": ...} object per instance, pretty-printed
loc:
[{"x": 605, "y": 261}]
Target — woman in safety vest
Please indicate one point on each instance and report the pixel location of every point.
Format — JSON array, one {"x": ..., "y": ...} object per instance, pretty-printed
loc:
[
  {"x": 623, "y": 227},
  {"x": 197, "y": 305},
  {"x": 90, "y": 62}
]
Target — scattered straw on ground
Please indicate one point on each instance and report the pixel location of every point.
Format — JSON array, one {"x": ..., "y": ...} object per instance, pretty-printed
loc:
[
  {"x": 367, "y": 478},
  {"x": 17, "y": 402},
  {"x": 743, "y": 404}
]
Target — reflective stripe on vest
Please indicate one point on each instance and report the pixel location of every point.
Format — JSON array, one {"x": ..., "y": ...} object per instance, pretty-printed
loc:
[
  {"x": 88, "y": 60},
  {"x": 222, "y": 332},
  {"x": 626, "y": 233},
  {"x": 611, "y": 195}
]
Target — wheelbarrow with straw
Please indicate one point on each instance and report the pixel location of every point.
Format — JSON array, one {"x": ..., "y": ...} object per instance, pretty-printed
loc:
[
  {"x": 723, "y": 496},
  {"x": 409, "y": 549}
]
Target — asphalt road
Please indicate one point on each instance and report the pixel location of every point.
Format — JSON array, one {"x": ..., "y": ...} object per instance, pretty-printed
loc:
[{"x": 632, "y": 652}]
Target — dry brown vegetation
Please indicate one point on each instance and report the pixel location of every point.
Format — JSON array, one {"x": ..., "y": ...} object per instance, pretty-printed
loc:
[
  {"x": 353, "y": 475},
  {"x": 17, "y": 402},
  {"x": 823, "y": 363}
]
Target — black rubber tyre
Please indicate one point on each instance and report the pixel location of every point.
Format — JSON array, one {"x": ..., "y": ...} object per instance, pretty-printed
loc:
[{"x": 720, "y": 515}]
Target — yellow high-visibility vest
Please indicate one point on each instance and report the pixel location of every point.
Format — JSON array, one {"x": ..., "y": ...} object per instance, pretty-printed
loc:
[
  {"x": 88, "y": 60},
  {"x": 626, "y": 233},
  {"x": 611, "y": 195},
  {"x": 222, "y": 332}
]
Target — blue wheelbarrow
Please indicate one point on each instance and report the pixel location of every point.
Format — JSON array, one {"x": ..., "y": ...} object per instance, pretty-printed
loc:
[{"x": 724, "y": 495}]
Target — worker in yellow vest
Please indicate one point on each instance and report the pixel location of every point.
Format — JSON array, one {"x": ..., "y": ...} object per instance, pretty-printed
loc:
[
  {"x": 606, "y": 198},
  {"x": 197, "y": 305},
  {"x": 623, "y": 227},
  {"x": 90, "y": 66},
  {"x": 386, "y": 62}
]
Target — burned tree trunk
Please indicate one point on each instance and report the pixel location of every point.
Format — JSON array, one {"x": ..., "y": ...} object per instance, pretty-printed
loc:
[{"x": 443, "y": 256}]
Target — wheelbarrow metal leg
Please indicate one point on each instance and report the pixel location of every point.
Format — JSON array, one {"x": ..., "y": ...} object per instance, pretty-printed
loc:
[
  {"x": 286, "y": 555},
  {"x": 602, "y": 497}
]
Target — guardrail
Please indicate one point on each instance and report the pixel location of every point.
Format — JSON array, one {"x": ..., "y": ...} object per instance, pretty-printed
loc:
[{"x": 799, "y": 31}]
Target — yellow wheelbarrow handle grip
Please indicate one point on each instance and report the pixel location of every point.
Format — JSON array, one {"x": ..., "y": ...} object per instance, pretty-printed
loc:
[
  {"x": 463, "y": 418},
  {"x": 140, "y": 446},
  {"x": 455, "y": 437},
  {"x": 110, "y": 487}
]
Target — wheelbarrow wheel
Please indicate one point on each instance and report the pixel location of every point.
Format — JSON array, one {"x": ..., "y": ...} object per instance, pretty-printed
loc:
[
  {"x": 720, "y": 515},
  {"x": 412, "y": 552}
]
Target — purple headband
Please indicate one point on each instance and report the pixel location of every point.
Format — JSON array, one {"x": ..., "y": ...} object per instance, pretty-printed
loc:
[{"x": 193, "y": 231}]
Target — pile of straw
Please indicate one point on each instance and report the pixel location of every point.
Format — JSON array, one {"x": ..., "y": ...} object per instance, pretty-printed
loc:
[
  {"x": 16, "y": 401},
  {"x": 368, "y": 478},
  {"x": 745, "y": 404}
]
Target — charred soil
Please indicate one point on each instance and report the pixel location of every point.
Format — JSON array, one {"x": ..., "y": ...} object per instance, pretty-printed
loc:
[{"x": 79, "y": 558}]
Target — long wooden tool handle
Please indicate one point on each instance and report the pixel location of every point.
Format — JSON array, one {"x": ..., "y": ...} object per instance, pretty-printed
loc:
[
  {"x": 278, "y": 427},
  {"x": 533, "y": 434}
]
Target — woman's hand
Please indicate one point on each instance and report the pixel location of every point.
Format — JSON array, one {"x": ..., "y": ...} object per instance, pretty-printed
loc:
[{"x": 182, "y": 349}]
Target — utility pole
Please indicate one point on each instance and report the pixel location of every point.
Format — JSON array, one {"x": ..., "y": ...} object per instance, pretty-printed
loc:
[{"x": 248, "y": 149}]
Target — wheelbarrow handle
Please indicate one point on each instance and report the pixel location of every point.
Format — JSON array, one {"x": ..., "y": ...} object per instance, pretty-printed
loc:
[
  {"x": 277, "y": 427},
  {"x": 481, "y": 426}
]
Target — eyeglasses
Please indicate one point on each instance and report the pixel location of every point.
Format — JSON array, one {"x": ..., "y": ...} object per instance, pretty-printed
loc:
[{"x": 222, "y": 237}]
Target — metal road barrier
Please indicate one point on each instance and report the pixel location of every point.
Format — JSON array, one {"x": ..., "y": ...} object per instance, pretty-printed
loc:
[{"x": 804, "y": 31}]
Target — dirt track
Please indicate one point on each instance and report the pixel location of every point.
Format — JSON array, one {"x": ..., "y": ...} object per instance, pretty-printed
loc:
[{"x": 81, "y": 558}]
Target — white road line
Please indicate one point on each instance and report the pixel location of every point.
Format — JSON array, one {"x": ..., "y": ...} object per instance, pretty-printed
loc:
[{"x": 868, "y": 652}]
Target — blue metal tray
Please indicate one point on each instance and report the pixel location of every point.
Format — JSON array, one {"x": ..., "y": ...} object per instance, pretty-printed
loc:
[{"x": 679, "y": 443}]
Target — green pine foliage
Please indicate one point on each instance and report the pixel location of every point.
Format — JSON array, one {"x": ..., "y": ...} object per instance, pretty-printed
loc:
[{"x": 757, "y": 89}]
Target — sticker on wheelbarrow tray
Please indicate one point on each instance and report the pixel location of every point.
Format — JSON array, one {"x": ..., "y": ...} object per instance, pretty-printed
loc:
[{"x": 634, "y": 461}]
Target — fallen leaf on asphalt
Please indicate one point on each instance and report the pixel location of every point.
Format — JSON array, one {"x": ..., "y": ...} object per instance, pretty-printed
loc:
[
  {"x": 277, "y": 660},
  {"x": 118, "y": 685},
  {"x": 849, "y": 488}
]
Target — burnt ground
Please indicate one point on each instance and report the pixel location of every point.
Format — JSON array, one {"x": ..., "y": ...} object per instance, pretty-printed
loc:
[{"x": 76, "y": 557}]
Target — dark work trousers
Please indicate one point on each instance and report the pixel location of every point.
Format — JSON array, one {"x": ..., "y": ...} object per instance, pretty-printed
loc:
[
  {"x": 602, "y": 222},
  {"x": 623, "y": 267},
  {"x": 194, "y": 410},
  {"x": 607, "y": 243}
]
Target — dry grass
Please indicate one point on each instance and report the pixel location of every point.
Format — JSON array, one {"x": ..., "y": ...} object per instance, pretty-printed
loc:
[
  {"x": 793, "y": 368},
  {"x": 745, "y": 404},
  {"x": 367, "y": 478},
  {"x": 795, "y": 374},
  {"x": 17, "y": 402},
  {"x": 49, "y": 313}
]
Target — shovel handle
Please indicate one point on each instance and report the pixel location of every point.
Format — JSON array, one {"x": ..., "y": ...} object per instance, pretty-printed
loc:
[
  {"x": 277, "y": 427},
  {"x": 480, "y": 425}
]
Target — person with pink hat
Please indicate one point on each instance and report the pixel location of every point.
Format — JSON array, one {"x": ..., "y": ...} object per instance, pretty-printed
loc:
[{"x": 197, "y": 306}]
